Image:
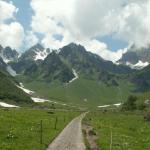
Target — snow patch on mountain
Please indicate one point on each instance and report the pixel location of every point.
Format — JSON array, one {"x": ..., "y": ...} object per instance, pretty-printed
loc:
[
  {"x": 118, "y": 104},
  {"x": 5, "y": 59},
  {"x": 8, "y": 105},
  {"x": 25, "y": 90},
  {"x": 11, "y": 71},
  {"x": 41, "y": 55},
  {"x": 76, "y": 76},
  {"x": 39, "y": 100},
  {"x": 103, "y": 106},
  {"x": 139, "y": 65}
]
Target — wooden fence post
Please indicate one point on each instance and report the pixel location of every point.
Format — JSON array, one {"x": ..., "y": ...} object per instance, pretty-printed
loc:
[
  {"x": 41, "y": 132},
  {"x": 111, "y": 139},
  {"x": 56, "y": 123}
]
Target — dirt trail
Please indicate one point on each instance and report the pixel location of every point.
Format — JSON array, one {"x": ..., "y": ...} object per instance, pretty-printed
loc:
[{"x": 70, "y": 138}]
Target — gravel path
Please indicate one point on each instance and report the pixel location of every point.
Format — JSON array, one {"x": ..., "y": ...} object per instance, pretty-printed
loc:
[{"x": 70, "y": 138}]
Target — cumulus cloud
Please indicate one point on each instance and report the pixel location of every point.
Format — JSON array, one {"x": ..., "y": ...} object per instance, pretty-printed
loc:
[
  {"x": 128, "y": 20},
  {"x": 81, "y": 21},
  {"x": 11, "y": 34},
  {"x": 30, "y": 39},
  {"x": 7, "y": 10},
  {"x": 102, "y": 49},
  {"x": 134, "y": 23}
]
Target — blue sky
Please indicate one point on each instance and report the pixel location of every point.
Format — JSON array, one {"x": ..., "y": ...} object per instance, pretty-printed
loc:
[
  {"x": 113, "y": 43},
  {"x": 25, "y": 12}
]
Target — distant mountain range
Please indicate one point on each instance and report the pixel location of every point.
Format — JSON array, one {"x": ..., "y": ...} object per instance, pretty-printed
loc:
[
  {"x": 60, "y": 65},
  {"x": 72, "y": 67}
]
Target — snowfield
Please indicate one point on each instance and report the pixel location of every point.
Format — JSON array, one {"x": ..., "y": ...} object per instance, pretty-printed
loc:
[{"x": 7, "y": 105}]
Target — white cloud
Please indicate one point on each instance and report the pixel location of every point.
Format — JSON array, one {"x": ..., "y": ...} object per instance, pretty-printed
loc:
[
  {"x": 7, "y": 10},
  {"x": 82, "y": 20},
  {"x": 30, "y": 39},
  {"x": 50, "y": 13},
  {"x": 128, "y": 20},
  {"x": 134, "y": 23},
  {"x": 101, "y": 49},
  {"x": 11, "y": 35}
]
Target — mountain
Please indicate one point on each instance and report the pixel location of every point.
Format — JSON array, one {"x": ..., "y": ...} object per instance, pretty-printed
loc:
[
  {"x": 10, "y": 93},
  {"x": 36, "y": 52},
  {"x": 60, "y": 66},
  {"x": 88, "y": 63},
  {"x": 52, "y": 68},
  {"x": 136, "y": 58},
  {"x": 8, "y": 54},
  {"x": 30, "y": 58}
]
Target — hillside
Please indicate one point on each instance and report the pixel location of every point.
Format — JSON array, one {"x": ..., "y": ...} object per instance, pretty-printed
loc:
[
  {"x": 82, "y": 91},
  {"x": 142, "y": 78},
  {"x": 10, "y": 93}
]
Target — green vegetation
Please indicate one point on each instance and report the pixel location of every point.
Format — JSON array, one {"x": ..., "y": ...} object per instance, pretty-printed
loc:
[
  {"x": 81, "y": 92},
  {"x": 10, "y": 93},
  {"x": 20, "y": 129},
  {"x": 129, "y": 130},
  {"x": 130, "y": 104}
]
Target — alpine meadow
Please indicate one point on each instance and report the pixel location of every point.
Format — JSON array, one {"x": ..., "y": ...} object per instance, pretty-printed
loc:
[{"x": 74, "y": 75}]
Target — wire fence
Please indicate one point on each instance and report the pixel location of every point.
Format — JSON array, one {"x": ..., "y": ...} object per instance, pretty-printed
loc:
[{"x": 25, "y": 135}]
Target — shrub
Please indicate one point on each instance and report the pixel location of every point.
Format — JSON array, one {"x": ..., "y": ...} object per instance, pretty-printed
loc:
[
  {"x": 130, "y": 104},
  {"x": 141, "y": 106}
]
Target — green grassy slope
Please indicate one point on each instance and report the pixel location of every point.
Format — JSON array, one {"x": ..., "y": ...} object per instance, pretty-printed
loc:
[
  {"x": 129, "y": 130},
  {"x": 20, "y": 128},
  {"x": 82, "y": 92},
  {"x": 10, "y": 93}
]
